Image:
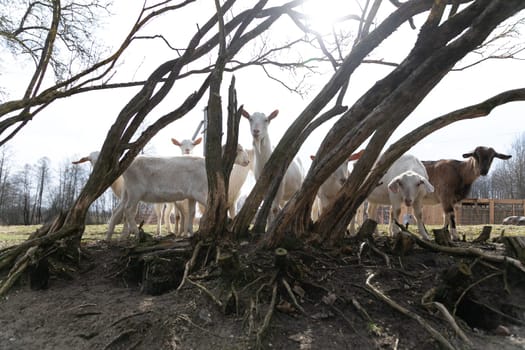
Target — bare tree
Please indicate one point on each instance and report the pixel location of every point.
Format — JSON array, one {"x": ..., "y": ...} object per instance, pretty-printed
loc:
[
  {"x": 122, "y": 144},
  {"x": 507, "y": 180},
  {"x": 442, "y": 42},
  {"x": 5, "y": 160},
  {"x": 42, "y": 177}
]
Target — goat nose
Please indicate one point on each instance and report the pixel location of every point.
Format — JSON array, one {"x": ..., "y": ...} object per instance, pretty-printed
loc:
[{"x": 408, "y": 202}]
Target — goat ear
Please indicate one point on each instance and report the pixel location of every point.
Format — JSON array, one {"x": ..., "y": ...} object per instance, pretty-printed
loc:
[
  {"x": 394, "y": 185},
  {"x": 175, "y": 142},
  {"x": 197, "y": 141},
  {"x": 81, "y": 160},
  {"x": 428, "y": 185},
  {"x": 502, "y": 156},
  {"x": 245, "y": 114},
  {"x": 273, "y": 114},
  {"x": 356, "y": 156},
  {"x": 469, "y": 154}
]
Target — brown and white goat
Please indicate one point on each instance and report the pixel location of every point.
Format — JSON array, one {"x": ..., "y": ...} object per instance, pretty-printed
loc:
[{"x": 452, "y": 180}]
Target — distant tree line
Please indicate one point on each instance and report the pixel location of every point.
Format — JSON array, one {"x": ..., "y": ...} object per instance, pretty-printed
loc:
[
  {"x": 506, "y": 180},
  {"x": 36, "y": 193}
]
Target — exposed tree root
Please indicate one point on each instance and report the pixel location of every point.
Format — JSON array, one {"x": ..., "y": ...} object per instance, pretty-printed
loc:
[
  {"x": 292, "y": 296},
  {"x": 470, "y": 251},
  {"x": 435, "y": 334},
  {"x": 465, "y": 291},
  {"x": 190, "y": 264},
  {"x": 208, "y": 293},
  {"x": 120, "y": 336},
  {"x": 362, "y": 310},
  {"x": 267, "y": 318},
  {"x": 450, "y": 319},
  {"x": 14, "y": 274}
]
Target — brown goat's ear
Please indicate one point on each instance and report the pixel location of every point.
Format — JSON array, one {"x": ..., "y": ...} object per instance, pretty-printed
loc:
[
  {"x": 502, "y": 156},
  {"x": 245, "y": 114},
  {"x": 466, "y": 155},
  {"x": 273, "y": 114},
  {"x": 197, "y": 141},
  {"x": 175, "y": 142}
]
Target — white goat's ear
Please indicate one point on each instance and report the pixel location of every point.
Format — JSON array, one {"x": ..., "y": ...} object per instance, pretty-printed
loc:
[
  {"x": 394, "y": 185},
  {"x": 175, "y": 142},
  {"x": 197, "y": 141},
  {"x": 428, "y": 185},
  {"x": 245, "y": 114},
  {"x": 273, "y": 114}
]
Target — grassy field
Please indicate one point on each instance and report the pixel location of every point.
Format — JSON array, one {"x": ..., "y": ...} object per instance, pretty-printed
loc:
[{"x": 11, "y": 235}]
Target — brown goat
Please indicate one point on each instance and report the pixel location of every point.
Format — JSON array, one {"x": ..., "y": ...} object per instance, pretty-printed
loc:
[{"x": 452, "y": 180}]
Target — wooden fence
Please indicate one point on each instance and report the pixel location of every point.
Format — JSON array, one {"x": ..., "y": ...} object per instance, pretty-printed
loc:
[{"x": 470, "y": 211}]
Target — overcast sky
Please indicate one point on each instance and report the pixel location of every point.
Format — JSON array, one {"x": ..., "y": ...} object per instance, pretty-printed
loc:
[{"x": 74, "y": 127}]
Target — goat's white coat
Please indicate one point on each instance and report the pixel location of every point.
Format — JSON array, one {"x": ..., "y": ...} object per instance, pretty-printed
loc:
[
  {"x": 165, "y": 180},
  {"x": 117, "y": 186},
  {"x": 329, "y": 190},
  {"x": 294, "y": 175},
  {"x": 237, "y": 179},
  {"x": 178, "y": 208},
  {"x": 406, "y": 182}
]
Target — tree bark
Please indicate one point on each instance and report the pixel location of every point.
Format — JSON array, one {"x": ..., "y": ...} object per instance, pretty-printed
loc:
[{"x": 386, "y": 105}]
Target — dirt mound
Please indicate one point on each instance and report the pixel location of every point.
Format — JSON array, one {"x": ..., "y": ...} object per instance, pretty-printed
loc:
[{"x": 320, "y": 300}]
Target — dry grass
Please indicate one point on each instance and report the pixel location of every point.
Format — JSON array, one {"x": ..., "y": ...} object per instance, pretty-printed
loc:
[
  {"x": 11, "y": 235},
  {"x": 471, "y": 231}
]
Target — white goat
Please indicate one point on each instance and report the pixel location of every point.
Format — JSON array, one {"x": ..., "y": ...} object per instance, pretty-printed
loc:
[
  {"x": 293, "y": 177},
  {"x": 165, "y": 180},
  {"x": 186, "y": 148},
  {"x": 117, "y": 186},
  {"x": 237, "y": 178},
  {"x": 453, "y": 179},
  {"x": 405, "y": 182},
  {"x": 330, "y": 188}
]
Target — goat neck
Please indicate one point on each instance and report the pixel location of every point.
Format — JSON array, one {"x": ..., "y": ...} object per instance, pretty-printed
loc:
[{"x": 469, "y": 170}]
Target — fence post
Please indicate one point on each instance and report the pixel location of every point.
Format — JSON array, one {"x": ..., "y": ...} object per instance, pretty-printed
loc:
[{"x": 491, "y": 211}]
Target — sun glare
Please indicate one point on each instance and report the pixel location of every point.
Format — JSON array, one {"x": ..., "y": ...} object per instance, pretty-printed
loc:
[{"x": 323, "y": 14}]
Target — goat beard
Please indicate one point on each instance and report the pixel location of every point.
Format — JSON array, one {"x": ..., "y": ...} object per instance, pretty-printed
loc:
[{"x": 257, "y": 144}]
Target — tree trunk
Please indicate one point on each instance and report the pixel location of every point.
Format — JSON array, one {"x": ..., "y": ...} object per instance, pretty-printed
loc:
[{"x": 388, "y": 103}]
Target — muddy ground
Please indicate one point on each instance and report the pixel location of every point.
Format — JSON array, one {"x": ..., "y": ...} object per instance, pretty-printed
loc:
[{"x": 102, "y": 306}]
